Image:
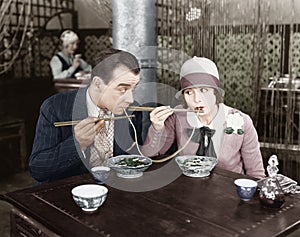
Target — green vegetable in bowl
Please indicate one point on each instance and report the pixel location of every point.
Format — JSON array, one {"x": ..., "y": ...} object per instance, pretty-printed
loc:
[
  {"x": 197, "y": 162},
  {"x": 131, "y": 162}
]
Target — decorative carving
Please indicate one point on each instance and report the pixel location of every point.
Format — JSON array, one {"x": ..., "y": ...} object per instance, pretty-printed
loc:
[{"x": 22, "y": 225}]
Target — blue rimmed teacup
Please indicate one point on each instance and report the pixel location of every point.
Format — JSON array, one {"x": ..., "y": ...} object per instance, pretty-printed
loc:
[
  {"x": 100, "y": 173},
  {"x": 245, "y": 188}
]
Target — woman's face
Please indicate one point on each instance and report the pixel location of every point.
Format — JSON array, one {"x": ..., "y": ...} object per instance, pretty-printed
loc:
[
  {"x": 70, "y": 48},
  {"x": 202, "y": 97}
]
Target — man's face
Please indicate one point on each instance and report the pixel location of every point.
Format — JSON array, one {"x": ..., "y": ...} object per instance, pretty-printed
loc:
[
  {"x": 117, "y": 95},
  {"x": 200, "y": 97}
]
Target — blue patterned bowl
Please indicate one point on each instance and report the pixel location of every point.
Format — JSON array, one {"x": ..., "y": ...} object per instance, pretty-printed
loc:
[
  {"x": 245, "y": 188},
  {"x": 100, "y": 173},
  {"x": 196, "y": 166},
  {"x": 89, "y": 196},
  {"x": 129, "y": 166}
]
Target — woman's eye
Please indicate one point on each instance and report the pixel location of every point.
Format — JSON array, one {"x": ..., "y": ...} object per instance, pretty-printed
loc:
[
  {"x": 203, "y": 90},
  {"x": 188, "y": 92}
]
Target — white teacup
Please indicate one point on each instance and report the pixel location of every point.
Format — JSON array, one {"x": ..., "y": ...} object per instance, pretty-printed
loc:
[{"x": 89, "y": 196}]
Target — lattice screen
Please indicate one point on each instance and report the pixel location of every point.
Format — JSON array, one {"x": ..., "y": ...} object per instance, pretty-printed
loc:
[
  {"x": 94, "y": 44},
  {"x": 234, "y": 57},
  {"x": 295, "y": 50},
  {"x": 272, "y": 59},
  {"x": 41, "y": 60},
  {"x": 21, "y": 25},
  {"x": 28, "y": 44}
]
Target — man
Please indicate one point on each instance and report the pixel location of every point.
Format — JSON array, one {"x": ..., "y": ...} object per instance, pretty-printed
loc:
[
  {"x": 67, "y": 64},
  {"x": 60, "y": 152}
]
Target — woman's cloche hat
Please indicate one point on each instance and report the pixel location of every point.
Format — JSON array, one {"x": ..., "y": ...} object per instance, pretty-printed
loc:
[{"x": 199, "y": 72}]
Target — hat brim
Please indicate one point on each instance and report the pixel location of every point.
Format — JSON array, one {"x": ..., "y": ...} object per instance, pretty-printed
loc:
[{"x": 179, "y": 93}]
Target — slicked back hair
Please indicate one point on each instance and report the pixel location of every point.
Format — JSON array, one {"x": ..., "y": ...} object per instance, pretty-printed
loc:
[{"x": 109, "y": 59}]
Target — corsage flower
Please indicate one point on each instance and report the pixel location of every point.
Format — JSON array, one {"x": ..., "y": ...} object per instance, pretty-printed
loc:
[{"x": 235, "y": 123}]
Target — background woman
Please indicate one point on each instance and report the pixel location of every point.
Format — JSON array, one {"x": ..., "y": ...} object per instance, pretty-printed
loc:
[{"x": 65, "y": 64}]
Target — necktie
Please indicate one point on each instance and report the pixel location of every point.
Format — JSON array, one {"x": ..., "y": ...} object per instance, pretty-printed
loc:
[
  {"x": 203, "y": 136},
  {"x": 102, "y": 148}
]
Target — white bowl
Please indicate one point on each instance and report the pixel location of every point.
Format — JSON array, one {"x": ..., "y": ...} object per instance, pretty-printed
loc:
[
  {"x": 89, "y": 196},
  {"x": 126, "y": 170},
  {"x": 196, "y": 166}
]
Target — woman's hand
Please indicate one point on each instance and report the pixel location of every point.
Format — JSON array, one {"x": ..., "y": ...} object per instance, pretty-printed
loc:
[
  {"x": 76, "y": 62},
  {"x": 86, "y": 130},
  {"x": 159, "y": 115}
]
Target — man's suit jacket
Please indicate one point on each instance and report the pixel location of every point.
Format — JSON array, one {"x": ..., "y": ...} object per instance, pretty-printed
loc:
[{"x": 56, "y": 153}]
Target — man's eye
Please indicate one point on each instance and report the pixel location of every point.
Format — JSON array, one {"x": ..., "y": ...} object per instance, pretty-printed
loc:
[
  {"x": 123, "y": 90},
  {"x": 203, "y": 90}
]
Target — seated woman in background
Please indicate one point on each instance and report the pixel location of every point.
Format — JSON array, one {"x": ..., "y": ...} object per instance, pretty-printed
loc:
[
  {"x": 216, "y": 130},
  {"x": 65, "y": 64}
]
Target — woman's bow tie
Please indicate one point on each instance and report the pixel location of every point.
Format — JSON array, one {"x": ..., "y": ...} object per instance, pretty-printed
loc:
[{"x": 203, "y": 136}]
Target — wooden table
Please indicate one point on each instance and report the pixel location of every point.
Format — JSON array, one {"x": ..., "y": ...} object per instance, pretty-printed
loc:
[
  {"x": 63, "y": 85},
  {"x": 186, "y": 207}
]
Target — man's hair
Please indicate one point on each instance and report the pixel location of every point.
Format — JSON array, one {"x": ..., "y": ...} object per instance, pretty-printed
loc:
[{"x": 109, "y": 59}]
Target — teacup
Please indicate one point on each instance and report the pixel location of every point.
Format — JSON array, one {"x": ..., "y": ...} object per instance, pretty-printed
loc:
[
  {"x": 89, "y": 196},
  {"x": 100, "y": 173},
  {"x": 245, "y": 188}
]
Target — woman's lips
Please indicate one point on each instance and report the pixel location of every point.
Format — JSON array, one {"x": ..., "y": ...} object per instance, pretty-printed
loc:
[{"x": 199, "y": 108}]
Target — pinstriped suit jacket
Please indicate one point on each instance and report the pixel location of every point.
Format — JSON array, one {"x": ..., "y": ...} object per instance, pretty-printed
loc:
[{"x": 55, "y": 153}]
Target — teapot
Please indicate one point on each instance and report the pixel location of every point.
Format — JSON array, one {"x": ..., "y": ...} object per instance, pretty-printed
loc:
[{"x": 271, "y": 194}]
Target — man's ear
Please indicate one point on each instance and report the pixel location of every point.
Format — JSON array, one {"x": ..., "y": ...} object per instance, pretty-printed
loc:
[{"x": 98, "y": 82}]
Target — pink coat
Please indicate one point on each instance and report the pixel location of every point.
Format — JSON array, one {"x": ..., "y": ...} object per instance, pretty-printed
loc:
[{"x": 237, "y": 153}]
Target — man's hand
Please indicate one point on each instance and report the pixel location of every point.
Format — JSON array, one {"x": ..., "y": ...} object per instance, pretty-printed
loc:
[{"x": 86, "y": 130}]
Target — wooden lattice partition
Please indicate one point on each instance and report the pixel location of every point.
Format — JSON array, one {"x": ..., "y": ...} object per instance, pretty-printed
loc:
[
  {"x": 30, "y": 31},
  {"x": 94, "y": 42},
  {"x": 186, "y": 26},
  {"x": 23, "y": 26}
]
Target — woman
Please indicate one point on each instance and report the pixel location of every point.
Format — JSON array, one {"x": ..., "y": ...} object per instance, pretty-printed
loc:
[
  {"x": 216, "y": 130},
  {"x": 67, "y": 64}
]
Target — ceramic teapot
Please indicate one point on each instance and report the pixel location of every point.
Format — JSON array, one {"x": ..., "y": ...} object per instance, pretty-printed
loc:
[{"x": 271, "y": 194}]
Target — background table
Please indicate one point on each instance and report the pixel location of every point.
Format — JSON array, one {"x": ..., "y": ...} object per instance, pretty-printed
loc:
[
  {"x": 186, "y": 207},
  {"x": 63, "y": 85}
]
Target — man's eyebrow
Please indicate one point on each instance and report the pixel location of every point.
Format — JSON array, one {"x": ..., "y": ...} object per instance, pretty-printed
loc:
[{"x": 124, "y": 84}]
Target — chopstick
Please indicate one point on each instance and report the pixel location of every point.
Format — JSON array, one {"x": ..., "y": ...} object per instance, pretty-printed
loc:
[
  {"x": 141, "y": 108},
  {"x": 69, "y": 123}
]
